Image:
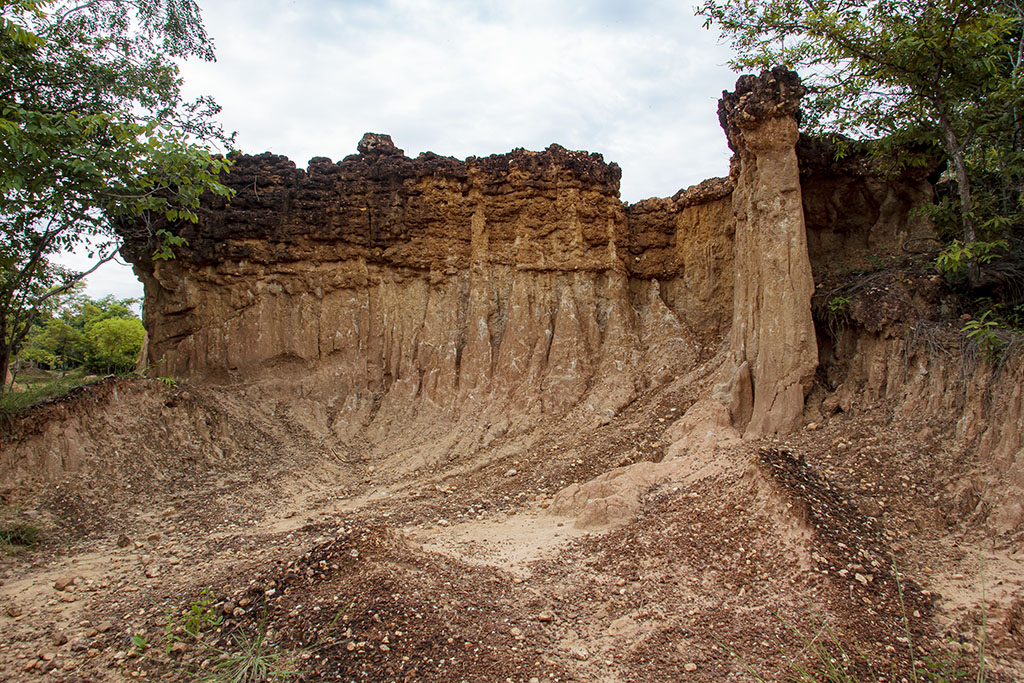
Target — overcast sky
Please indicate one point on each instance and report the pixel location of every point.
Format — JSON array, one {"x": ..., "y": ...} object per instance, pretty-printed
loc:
[{"x": 635, "y": 80}]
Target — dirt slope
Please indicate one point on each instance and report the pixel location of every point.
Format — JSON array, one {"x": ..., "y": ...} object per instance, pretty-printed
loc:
[{"x": 358, "y": 569}]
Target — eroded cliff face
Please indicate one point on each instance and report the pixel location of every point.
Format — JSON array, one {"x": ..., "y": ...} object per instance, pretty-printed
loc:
[
  {"x": 385, "y": 288},
  {"x": 857, "y": 214},
  {"x": 393, "y": 295}
]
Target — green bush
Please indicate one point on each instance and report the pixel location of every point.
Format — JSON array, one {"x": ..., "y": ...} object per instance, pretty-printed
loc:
[{"x": 17, "y": 536}]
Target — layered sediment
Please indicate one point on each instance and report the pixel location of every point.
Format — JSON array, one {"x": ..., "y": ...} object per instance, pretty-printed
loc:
[
  {"x": 774, "y": 352},
  {"x": 387, "y": 292},
  {"x": 386, "y": 287}
]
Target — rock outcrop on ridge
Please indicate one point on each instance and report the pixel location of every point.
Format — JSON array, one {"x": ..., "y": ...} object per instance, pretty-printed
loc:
[
  {"x": 391, "y": 290},
  {"x": 394, "y": 295}
]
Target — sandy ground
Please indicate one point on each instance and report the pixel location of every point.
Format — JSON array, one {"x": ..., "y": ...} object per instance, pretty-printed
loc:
[{"x": 335, "y": 564}]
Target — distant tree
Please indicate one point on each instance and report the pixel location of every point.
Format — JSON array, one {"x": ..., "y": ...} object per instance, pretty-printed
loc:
[
  {"x": 54, "y": 344},
  {"x": 115, "y": 343},
  {"x": 83, "y": 311},
  {"x": 93, "y": 131},
  {"x": 68, "y": 337},
  {"x": 940, "y": 72}
]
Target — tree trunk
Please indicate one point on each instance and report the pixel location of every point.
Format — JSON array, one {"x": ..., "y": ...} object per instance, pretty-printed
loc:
[
  {"x": 5, "y": 364},
  {"x": 956, "y": 154}
]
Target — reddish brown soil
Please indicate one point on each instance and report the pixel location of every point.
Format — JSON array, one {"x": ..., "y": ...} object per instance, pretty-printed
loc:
[{"x": 352, "y": 569}]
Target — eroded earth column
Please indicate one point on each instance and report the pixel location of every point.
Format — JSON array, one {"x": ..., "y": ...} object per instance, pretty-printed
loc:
[{"x": 773, "y": 347}]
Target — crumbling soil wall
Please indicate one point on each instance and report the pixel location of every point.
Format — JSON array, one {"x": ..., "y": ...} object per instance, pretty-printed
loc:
[
  {"x": 387, "y": 290},
  {"x": 925, "y": 370},
  {"x": 136, "y": 436},
  {"x": 392, "y": 291}
]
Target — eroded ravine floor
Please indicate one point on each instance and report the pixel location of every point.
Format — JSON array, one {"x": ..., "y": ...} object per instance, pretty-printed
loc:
[{"x": 460, "y": 572}]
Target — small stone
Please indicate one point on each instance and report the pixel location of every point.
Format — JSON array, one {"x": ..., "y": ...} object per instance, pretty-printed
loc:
[
  {"x": 690, "y": 666},
  {"x": 546, "y": 616},
  {"x": 104, "y": 626},
  {"x": 384, "y": 648},
  {"x": 152, "y": 571},
  {"x": 92, "y": 652},
  {"x": 516, "y": 633},
  {"x": 79, "y": 645},
  {"x": 46, "y": 656},
  {"x": 59, "y": 638},
  {"x": 63, "y": 583},
  {"x": 228, "y": 608},
  {"x": 869, "y": 507},
  {"x": 123, "y": 541},
  {"x": 579, "y": 652},
  {"x": 813, "y": 427},
  {"x": 13, "y": 610},
  {"x": 351, "y": 646},
  {"x": 864, "y": 579},
  {"x": 511, "y": 473},
  {"x": 178, "y": 648},
  {"x": 154, "y": 537}
]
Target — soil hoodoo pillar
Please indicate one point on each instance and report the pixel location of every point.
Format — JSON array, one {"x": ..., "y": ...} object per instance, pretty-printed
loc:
[{"x": 772, "y": 343}]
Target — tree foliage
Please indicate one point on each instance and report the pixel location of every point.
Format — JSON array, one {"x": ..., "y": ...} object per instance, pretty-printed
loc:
[
  {"x": 93, "y": 132},
  {"x": 116, "y": 342},
  {"x": 101, "y": 335},
  {"x": 946, "y": 73}
]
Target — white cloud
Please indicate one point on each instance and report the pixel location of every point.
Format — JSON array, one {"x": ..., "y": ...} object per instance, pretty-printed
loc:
[{"x": 637, "y": 82}]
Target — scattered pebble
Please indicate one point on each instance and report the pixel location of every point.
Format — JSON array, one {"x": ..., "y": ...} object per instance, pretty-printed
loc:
[{"x": 579, "y": 652}]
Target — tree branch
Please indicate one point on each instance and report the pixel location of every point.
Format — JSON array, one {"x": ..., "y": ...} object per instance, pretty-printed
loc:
[{"x": 73, "y": 281}]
